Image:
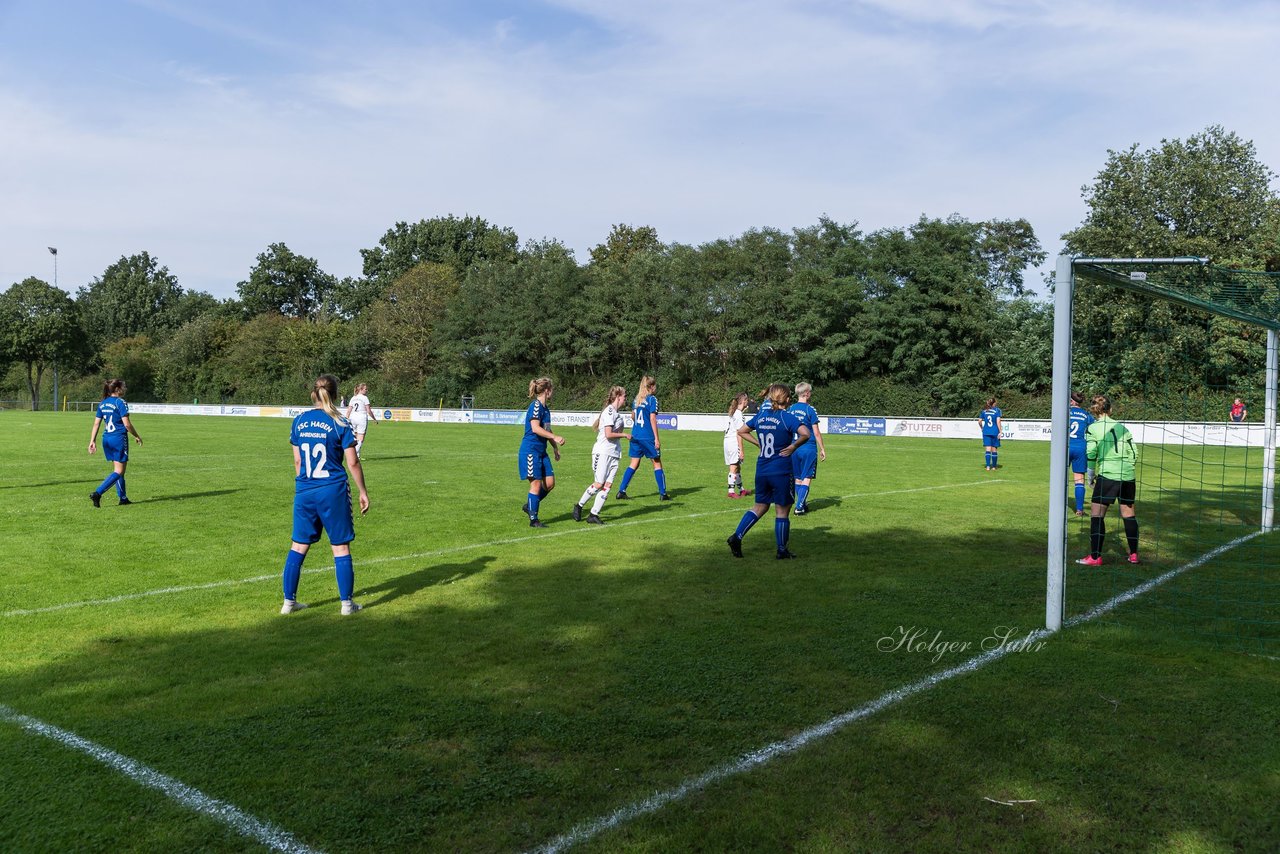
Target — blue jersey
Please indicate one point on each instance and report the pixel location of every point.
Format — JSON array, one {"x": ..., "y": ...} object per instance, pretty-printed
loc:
[
  {"x": 645, "y": 415},
  {"x": 775, "y": 429},
  {"x": 321, "y": 441},
  {"x": 112, "y": 411},
  {"x": 1078, "y": 421},
  {"x": 989, "y": 419},
  {"x": 537, "y": 413},
  {"x": 808, "y": 416}
]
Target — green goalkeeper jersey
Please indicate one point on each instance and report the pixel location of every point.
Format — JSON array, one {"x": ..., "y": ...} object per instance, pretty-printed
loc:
[{"x": 1112, "y": 452}]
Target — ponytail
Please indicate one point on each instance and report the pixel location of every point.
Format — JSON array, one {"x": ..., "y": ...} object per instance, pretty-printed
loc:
[
  {"x": 538, "y": 386},
  {"x": 616, "y": 391},
  {"x": 110, "y": 387},
  {"x": 646, "y": 387},
  {"x": 323, "y": 393}
]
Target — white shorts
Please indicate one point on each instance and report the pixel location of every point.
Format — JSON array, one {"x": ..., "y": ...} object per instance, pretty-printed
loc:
[
  {"x": 605, "y": 467},
  {"x": 360, "y": 425},
  {"x": 732, "y": 456}
]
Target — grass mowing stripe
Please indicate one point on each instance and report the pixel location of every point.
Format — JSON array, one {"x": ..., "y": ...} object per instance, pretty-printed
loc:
[
  {"x": 590, "y": 829},
  {"x": 125, "y": 597},
  {"x": 241, "y": 822}
]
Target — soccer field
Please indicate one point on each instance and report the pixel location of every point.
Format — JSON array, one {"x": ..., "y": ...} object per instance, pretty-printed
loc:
[{"x": 624, "y": 687}]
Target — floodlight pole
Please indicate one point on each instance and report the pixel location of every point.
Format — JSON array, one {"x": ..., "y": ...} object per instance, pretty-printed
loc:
[
  {"x": 1269, "y": 437},
  {"x": 1064, "y": 284}
]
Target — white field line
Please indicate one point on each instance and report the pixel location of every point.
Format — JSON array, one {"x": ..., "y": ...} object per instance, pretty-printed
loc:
[
  {"x": 193, "y": 799},
  {"x": 656, "y": 801},
  {"x": 165, "y": 591}
]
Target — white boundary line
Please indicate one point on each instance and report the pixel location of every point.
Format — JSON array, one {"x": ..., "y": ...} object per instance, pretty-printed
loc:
[
  {"x": 748, "y": 761},
  {"x": 212, "y": 585},
  {"x": 241, "y": 822}
]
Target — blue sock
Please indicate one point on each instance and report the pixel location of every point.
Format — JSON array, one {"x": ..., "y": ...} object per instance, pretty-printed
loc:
[
  {"x": 661, "y": 477},
  {"x": 120, "y": 488},
  {"x": 802, "y": 494},
  {"x": 749, "y": 520},
  {"x": 994, "y": 457},
  {"x": 534, "y": 501},
  {"x": 626, "y": 479},
  {"x": 292, "y": 572},
  {"x": 1079, "y": 496},
  {"x": 346, "y": 576},
  {"x": 106, "y": 484},
  {"x": 782, "y": 532}
]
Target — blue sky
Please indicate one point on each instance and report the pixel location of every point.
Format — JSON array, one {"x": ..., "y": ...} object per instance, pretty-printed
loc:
[{"x": 201, "y": 132}]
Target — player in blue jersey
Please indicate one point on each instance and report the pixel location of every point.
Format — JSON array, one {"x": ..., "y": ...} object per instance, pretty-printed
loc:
[
  {"x": 778, "y": 434},
  {"x": 112, "y": 415},
  {"x": 989, "y": 421},
  {"x": 804, "y": 462},
  {"x": 644, "y": 440},
  {"x": 1078, "y": 421},
  {"x": 532, "y": 464},
  {"x": 322, "y": 441}
]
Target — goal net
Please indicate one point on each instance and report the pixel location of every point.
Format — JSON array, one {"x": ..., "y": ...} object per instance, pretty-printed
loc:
[{"x": 1186, "y": 353}]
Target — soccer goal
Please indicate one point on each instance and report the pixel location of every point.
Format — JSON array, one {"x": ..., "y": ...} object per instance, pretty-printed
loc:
[{"x": 1187, "y": 353}]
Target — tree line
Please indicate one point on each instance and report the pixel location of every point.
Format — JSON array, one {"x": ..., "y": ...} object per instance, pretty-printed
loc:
[{"x": 927, "y": 318}]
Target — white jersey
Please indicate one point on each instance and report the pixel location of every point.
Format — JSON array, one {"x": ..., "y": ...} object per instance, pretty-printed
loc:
[
  {"x": 358, "y": 409},
  {"x": 610, "y": 417},
  {"x": 732, "y": 455}
]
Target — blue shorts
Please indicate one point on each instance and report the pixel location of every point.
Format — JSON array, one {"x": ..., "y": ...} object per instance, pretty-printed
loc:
[
  {"x": 1078, "y": 459},
  {"x": 327, "y": 509},
  {"x": 533, "y": 465},
  {"x": 804, "y": 466},
  {"x": 774, "y": 489},
  {"x": 638, "y": 448},
  {"x": 990, "y": 440},
  {"x": 116, "y": 451}
]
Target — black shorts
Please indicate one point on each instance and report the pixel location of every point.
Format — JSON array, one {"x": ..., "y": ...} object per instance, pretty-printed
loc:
[{"x": 1106, "y": 491}]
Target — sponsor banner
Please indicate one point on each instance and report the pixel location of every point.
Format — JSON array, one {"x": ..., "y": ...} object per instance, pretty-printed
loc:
[
  {"x": 573, "y": 419},
  {"x": 431, "y": 415},
  {"x": 668, "y": 421},
  {"x": 855, "y": 426},
  {"x": 252, "y": 411},
  {"x": 497, "y": 416},
  {"x": 931, "y": 429},
  {"x": 455, "y": 416}
]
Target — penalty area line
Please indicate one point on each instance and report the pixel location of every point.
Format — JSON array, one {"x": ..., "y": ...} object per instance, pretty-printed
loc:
[
  {"x": 374, "y": 561},
  {"x": 756, "y": 758},
  {"x": 193, "y": 799}
]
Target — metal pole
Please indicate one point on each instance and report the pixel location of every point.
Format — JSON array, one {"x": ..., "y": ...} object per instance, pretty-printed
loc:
[
  {"x": 1269, "y": 438},
  {"x": 1055, "y": 593}
]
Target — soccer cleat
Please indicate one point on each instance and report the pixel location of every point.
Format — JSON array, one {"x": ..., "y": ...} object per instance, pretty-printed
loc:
[
  {"x": 664, "y": 497},
  {"x": 593, "y": 519},
  {"x": 1133, "y": 558},
  {"x": 349, "y": 607},
  {"x": 622, "y": 496},
  {"x": 735, "y": 545},
  {"x": 291, "y": 605},
  {"x": 1079, "y": 512},
  {"x": 124, "y": 502},
  {"x": 1090, "y": 560},
  {"x": 577, "y": 512},
  {"x": 96, "y": 498},
  {"x": 745, "y": 492},
  {"x": 784, "y": 554},
  {"x": 537, "y": 523},
  {"x": 800, "y": 510}
]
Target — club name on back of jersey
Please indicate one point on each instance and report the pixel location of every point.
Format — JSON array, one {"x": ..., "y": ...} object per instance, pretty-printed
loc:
[
  {"x": 303, "y": 430},
  {"x": 768, "y": 420}
]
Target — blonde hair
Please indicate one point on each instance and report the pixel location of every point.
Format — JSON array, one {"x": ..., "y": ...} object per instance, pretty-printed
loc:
[
  {"x": 615, "y": 391},
  {"x": 739, "y": 401},
  {"x": 779, "y": 395},
  {"x": 538, "y": 386},
  {"x": 803, "y": 389},
  {"x": 360, "y": 388},
  {"x": 323, "y": 392},
  {"x": 646, "y": 388}
]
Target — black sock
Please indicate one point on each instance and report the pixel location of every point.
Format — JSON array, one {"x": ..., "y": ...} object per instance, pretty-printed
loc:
[
  {"x": 1131, "y": 533},
  {"x": 1097, "y": 531}
]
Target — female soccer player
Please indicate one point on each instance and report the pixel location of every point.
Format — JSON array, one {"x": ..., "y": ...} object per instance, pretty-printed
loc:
[
  {"x": 1078, "y": 421},
  {"x": 359, "y": 412},
  {"x": 989, "y": 420},
  {"x": 1114, "y": 456},
  {"x": 804, "y": 462},
  {"x": 532, "y": 464},
  {"x": 113, "y": 415},
  {"x": 322, "y": 440},
  {"x": 780, "y": 433},
  {"x": 733, "y": 454},
  {"x": 605, "y": 454},
  {"x": 644, "y": 439}
]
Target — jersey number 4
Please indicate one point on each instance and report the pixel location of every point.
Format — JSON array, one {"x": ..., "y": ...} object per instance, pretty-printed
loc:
[{"x": 313, "y": 461}]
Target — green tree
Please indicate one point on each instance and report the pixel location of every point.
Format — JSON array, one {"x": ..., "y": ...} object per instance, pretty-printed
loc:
[
  {"x": 133, "y": 296},
  {"x": 404, "y": 323},
  {"x": 458, "y": 242},
  {"x": 39, "y": 326},
  {"x": 286, "y": 283},
  {"x": 625, "y": 242}
]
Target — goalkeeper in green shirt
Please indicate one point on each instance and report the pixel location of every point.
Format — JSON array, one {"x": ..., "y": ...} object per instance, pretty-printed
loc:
[{"x": 1113, "y": 455}]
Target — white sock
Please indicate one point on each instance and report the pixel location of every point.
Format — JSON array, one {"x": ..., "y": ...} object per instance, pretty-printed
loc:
[
  {"x": 600, "y": 499},
  {"x": 586, "y": 496}
]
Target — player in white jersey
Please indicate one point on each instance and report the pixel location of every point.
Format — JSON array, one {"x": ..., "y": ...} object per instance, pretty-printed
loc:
[
  {"x": 605, "y": 454},
  {"x": 359, "y": 412},
  {"x": 733, "y": 444}
]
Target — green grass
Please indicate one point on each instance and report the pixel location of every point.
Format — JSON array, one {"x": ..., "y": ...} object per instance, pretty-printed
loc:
[{"x": 506, "y": 685}]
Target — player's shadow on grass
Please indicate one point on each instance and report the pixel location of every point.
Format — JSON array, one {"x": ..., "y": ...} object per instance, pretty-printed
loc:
[
  {"x": 210, "y": 494},
  {"x": 379, "y": 458},
  {"x": 48, "y": 483},
  {"x": 412, "y": 582}
]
